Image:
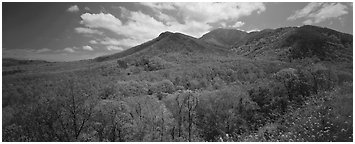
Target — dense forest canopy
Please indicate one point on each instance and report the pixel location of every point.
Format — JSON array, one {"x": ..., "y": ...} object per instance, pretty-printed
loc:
[{"x": 286, "y": 84}]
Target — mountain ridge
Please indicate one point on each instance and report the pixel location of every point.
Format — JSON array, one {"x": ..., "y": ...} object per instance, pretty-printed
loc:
[
  {"x": 223, "y": 37},
  {"x": 297, "y": 43},
  {"x": 284, "y": 43},
  {"x": 166, "y": 42}
]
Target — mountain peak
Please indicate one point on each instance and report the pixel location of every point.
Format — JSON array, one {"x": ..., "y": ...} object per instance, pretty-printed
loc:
[
  {"x": 166, "y": 33},
  {"x": 223, "y": 36},
  {"x": 166, "y": 42}
]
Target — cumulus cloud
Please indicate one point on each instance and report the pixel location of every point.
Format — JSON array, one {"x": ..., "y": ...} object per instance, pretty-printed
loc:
[
  {"x": 238, "y": 24},
  {"x": 124, "y": 12},
  {"x": 73, "y": 8},
  {"x": 190, "y": 18},
  {"x": 69, "y": 50},
  {"x": 319, "y": 12},
  {"x": 139, "y": 28},
  {"x": 331, "y": 10},
  {"x": 209, "y": 12},
  {"x": 89, "y": 48},
  {"x": 101, "y": 20},
  {"x": 159, "y": 5},
  {"x": 119, "y": 42},
  {"x": 117, "y": 48},
  {"x": 83, "y": 30},
  {"x": 307, "y": 10}
]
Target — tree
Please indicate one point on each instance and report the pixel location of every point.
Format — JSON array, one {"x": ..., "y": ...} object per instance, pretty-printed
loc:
[
  {"x": 192, "y": 103},
  {"x": 183, "y": 108},
  {"x": 76, "y": 108},
  {"x": 150, "y": 119},
  {"x": 165, "y": 86},
  {"x": 110, "y": 119},
  {"x": 224, "y": 111}
]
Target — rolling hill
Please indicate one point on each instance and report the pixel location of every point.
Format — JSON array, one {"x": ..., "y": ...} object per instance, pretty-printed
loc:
[{"x": 6, "y": 62}]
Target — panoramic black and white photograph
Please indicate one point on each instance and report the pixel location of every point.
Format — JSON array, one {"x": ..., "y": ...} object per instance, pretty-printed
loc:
[{"x": 177, "y": 72}]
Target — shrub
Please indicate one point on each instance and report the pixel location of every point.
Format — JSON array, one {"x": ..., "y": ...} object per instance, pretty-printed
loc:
[
  {"x": 296, "y": 82},
  {"x": 325, "y": 117},
  {"x": 122, "y": 64},
  {"x": 344, "y": 77},
  {"x": 153, "y": 64},
  {"x": 165, "y": 86},
  {"x": 132, "y": 88},
  {"x": 134, "y": 70},
  {"x": 271, "y": 96},
  {"x": 218, "y": 83},
  {"x": 324, "y": 78},
  {"x": 107, "y": 92}
]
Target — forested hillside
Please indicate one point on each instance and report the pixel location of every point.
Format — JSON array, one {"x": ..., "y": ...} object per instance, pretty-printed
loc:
[
  {"x": 179, "y": 88},
  {"x": 297, "y": 43}
]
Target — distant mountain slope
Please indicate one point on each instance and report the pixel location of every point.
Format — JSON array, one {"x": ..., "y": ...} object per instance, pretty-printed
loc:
[
  {"x": 166, "y": 42},
  {"x": 297, "y": 42},
  {"x": 223, "y": 37},
  {"x": 13, "y": 62},
  {"x": 283, "y": 43}
]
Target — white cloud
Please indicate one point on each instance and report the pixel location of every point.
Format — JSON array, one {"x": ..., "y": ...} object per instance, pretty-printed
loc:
[
  {"x": 159, "y": 5},
  {"x": 73, "y": 8},
  {"x": 101, "y": 20},
  {"x": 124, "y": 12},
  {"x": 83, "y": 30},
  {"x": 311, "y": 7},
  {"x": 126, "y": 42},
  {"x": 308, "y": 22},
  {"x": 238, "y": 24},
  {"x": 89, "y": 48},
  {"x": 69, "y": 50},
  {"x": 330, "y": 10},
  {"x": 223, "y": 24},
  {"x": 93, "y": 42},
  {"x": 253, "y": 30},
  {"x": 319, "y": 12},
  {"x": 87, "y": 8},
  {"x": 43, "y": 50},
  {"x": 164, "y": 17},
  {"x": 209, "y": 12},
  {"x": 111, "y": 47},
  {"x": 109, "y": 41},
  {"x": 139, "y": 27}
]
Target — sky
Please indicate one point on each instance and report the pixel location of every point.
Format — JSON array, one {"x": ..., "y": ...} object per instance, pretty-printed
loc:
[{"x": 75, "y": 31}]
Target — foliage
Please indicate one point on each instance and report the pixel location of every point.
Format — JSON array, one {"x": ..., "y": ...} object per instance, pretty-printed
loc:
[{"x": 181, "y": 97}]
